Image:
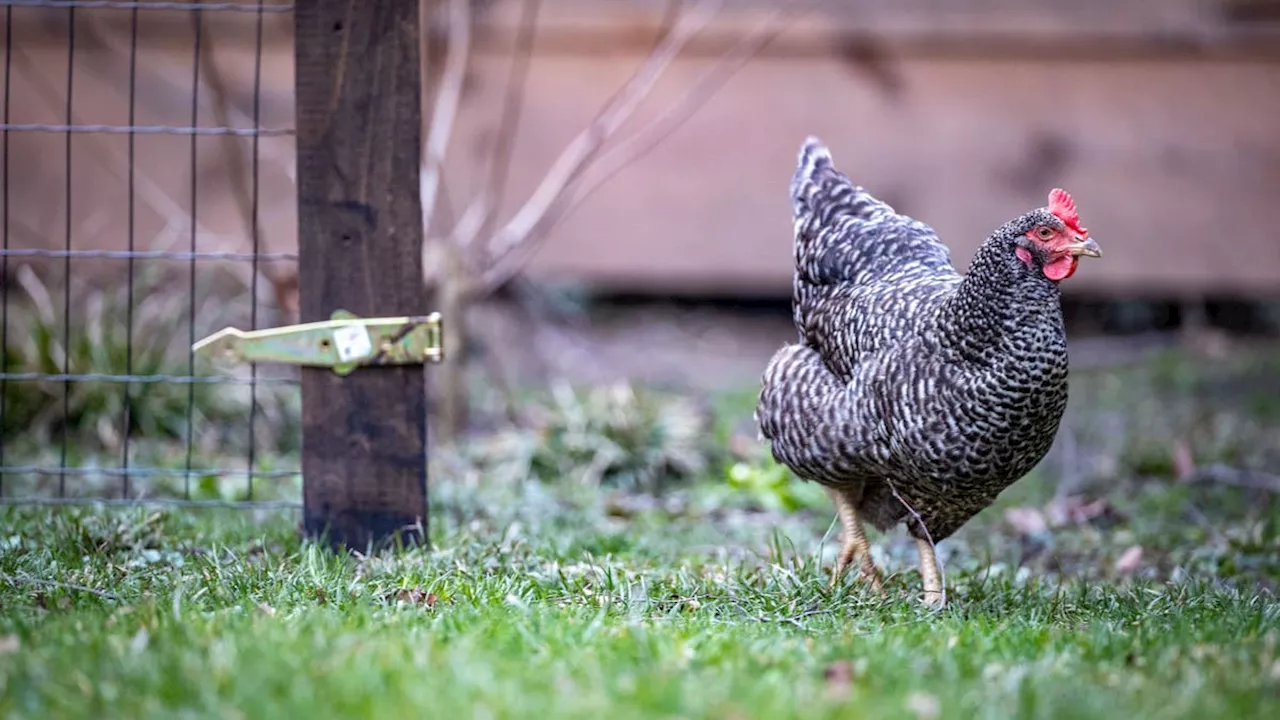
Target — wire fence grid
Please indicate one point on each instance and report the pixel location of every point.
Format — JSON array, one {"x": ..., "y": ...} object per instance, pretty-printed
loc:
[{"x": 101, "y": 398}]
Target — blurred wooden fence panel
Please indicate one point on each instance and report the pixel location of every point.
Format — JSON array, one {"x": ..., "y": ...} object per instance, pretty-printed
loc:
[
  {"x": 100, "y": 72},
  {"x": 1159, "y": 117}
]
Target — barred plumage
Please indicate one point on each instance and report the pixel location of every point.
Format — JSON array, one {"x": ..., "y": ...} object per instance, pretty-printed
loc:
[{"x": 908, "y": 376}]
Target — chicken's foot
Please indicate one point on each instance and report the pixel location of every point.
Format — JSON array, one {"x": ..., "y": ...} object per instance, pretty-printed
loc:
[
  {"x": 929, "y": 571},
  {"x": 855, "y": 541}
]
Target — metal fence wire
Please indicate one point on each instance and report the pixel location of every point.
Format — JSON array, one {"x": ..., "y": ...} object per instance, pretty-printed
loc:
[{"x": 132, "y": 168}]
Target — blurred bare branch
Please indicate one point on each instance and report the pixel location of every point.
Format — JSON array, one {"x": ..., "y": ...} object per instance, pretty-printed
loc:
[
  {"x": 283, "y": 281},
  {"x": 471, "y": 259},
  {"x": 641, "y": 142},
  {"x": 445, "y": 109},
  {"x": 237, "y": 172},
  {"x": 1225, "y": 475},
  {"x": 534, "y": 214},
  {"x": 481, "y": 216},
  {"x": 109, "y": 156}
]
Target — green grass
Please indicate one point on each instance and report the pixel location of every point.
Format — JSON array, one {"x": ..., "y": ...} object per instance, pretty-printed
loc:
[
  {"x": 537, "y": 602},
  {"x": 39, "y": 415},
  {"x": 551, "y": 591}
]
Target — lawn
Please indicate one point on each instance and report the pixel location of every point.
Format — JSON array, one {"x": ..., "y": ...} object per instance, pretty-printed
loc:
[{"x": 1134, "y": 595}]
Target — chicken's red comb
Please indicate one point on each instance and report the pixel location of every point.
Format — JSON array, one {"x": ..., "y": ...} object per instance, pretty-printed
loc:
[{"x": 1061, "y": 204}]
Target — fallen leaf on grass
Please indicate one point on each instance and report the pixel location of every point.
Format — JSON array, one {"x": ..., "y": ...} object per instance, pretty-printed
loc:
[
  {"x": 9, "y": 644},
  {"x": 266, "y": 608},
  {"x": 1129, "y": 560},
  {"x": 1030, "y": 522},
  {"x": 839, "y": 676},
  {"x": 415, "y": 596},
  {"x": 1026, "y": 521},
  {"x": 1076, "y": 511},
  {"x": 1184, "y": 465}
]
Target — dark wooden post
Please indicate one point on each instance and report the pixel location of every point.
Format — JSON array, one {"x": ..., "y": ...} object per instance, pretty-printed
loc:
[{"x": 357, "y": 81}]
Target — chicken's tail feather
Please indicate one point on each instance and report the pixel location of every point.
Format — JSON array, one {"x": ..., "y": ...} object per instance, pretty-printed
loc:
[
  {"x": 818, "y": 188},
  {"x": 844, "y": 234},
  {"x": 822, "y": 197},
  {"x": 814, "y": 158}
]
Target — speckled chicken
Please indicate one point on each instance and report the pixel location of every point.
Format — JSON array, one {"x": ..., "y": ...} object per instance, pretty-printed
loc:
[{"x": 916, "y": 394}]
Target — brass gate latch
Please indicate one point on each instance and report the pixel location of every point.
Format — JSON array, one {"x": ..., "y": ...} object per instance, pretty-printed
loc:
[{"x": 342, "y": 343}]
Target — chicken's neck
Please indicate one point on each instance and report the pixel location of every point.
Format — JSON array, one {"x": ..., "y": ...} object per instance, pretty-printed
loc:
[{"x": 999, "y": 304}]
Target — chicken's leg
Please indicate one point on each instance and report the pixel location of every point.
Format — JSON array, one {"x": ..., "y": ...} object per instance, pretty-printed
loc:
[
  {"x": 855, "y": 541},
  {"x": 933, "y": 594}
]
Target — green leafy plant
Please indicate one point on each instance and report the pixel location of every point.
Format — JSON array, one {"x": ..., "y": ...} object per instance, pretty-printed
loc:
[
  {"x": 771, "y": 486},
  {"x": 95, "y": 415},
  {"x": 607, "y": 436}
]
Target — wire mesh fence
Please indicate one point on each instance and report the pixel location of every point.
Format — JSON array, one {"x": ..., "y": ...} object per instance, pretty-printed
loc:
[{"x": 132, "y": 140}]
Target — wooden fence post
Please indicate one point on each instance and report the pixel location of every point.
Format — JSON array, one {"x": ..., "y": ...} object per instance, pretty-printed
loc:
[{"x": 360, "y": 233}]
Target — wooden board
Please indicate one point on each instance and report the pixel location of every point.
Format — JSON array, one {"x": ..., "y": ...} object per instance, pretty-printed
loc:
[
  {"x": 360, "y": 238},
  {"x": 1175, "y": 165},
  {"x": 947, "y": 129}
]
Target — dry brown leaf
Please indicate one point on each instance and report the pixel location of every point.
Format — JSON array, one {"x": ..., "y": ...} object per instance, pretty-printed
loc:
[
  {"x": 1129, "y": 560},
  {"x": 9, "y": 644},
  {"x": 1026, "y": 521},
  {"x": 1076, "y": 511},
  {"x": 839, "y": 676},
  {"x": 416, "y": 596},
  {"x": 1184, "y": 465}
]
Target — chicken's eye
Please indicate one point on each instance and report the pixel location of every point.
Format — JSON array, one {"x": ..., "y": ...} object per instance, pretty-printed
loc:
[{"x": 1044, "y": 233}]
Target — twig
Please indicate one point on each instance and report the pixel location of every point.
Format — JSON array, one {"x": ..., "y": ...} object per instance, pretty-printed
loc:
[
  {"x": 441, "y": 119},
  {"x": 237, "y": 170},
  {"x": 109, "y": 157},
  {"x": 1225, "y": 475},
  {"x": 532, "y": 215},
  {"x": 164, "y": 76},
  {"x": 572, "y": 194},
  {"x": 1203, "y": 520},
  {"x": 942, "y": 573},
  {"x": 28, "y": 580},
  {"x": 670, "y": 14},
  {"x": 890, "y": 626},
  {"x": 822, "y": 544},
  {"x": 217, "y": 85},
  {"x": 643, "y": 141},
  {"x": 813, "y": 612},
  {"x": 489, "y": 200}
]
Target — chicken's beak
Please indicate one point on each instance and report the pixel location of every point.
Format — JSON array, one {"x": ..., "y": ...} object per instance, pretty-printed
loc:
[{"x": 1085, "y": 247}]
